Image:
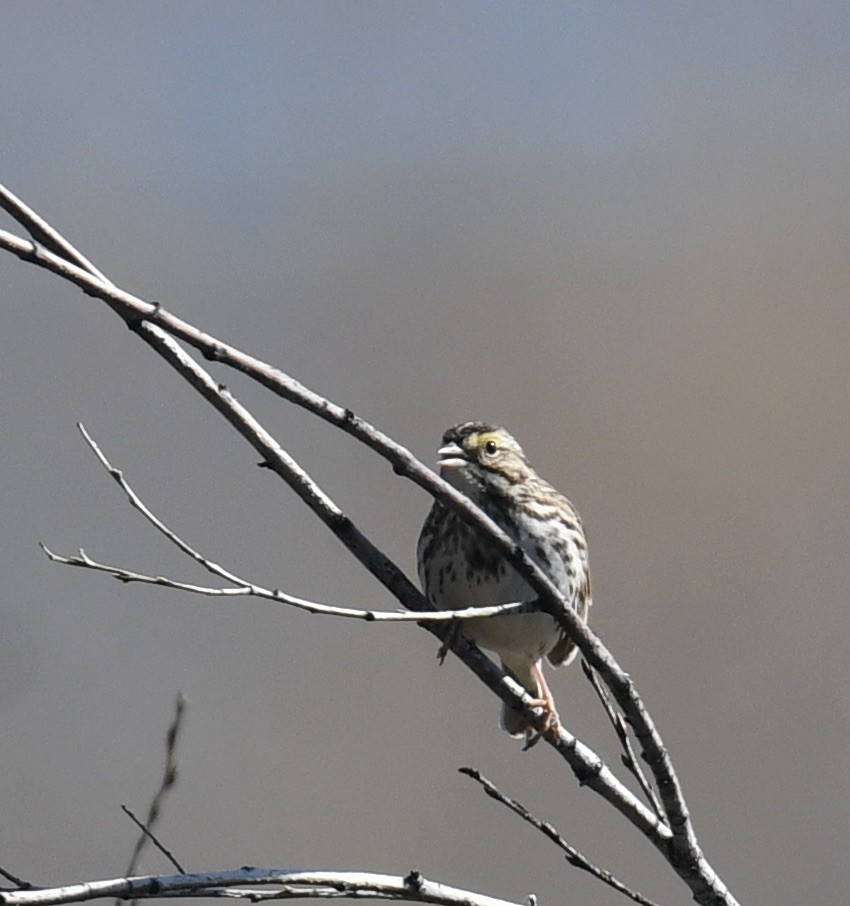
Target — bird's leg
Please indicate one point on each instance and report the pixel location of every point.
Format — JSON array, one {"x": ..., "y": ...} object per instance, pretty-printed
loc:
[{"x": 546, "y": 702}]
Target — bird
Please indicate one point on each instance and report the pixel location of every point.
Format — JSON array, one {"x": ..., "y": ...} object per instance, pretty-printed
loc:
[{"x": 459, "y": 568}]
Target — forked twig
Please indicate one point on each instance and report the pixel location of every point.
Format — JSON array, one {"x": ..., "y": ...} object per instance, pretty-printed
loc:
[
  {"x": 158, "y": 327},
  {"x": 84, "y": 561},
  {"x": 136, "y": 502},
  {"x": 243, "y": 587},
  {"x": 572, "y": 855},
  {"x": 169, "y": 778},
  {"x": 628, "y": 758}
]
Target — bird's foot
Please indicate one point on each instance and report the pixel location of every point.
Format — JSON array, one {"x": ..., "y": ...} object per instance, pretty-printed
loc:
[{"x": 551, "y": 722}]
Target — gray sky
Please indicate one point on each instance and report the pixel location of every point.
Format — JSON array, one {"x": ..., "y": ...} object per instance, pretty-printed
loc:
[{"x": 620, "y": 230}]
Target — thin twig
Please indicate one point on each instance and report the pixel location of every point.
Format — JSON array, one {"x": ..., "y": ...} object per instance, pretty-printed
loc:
[
  {"x": 243, "y": 586},
  {"x": 573, "y": 856},
  {"x": 628, "y": 758},
  {"x": 169, "y": 778},
  {"x": 84, "y": 561},
  {"x": 20, "y": 883},
  {"x": 154, "y": 839},
  {"x": 157, "y": 523}
]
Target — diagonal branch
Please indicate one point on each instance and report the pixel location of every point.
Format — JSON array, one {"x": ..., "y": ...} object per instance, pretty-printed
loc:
[
  {"x": 152, "y": 323},
  {"x": 628, "y": 758},
  {"x": 573, "y": 856},
  {"x": 147, "y": 832},
  {"x": 20, "y": 883},
  {"x": 43, "y": 232},
  {"x": 156, "y": 522},
  {"x": 147, "y": 319}
]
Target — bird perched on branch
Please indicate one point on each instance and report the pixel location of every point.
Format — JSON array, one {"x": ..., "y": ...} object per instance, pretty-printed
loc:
[{"x": 460, "y": 568}]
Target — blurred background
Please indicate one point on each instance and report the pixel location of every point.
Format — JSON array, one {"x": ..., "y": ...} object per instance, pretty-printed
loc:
[{"x": 618, "y": 229}]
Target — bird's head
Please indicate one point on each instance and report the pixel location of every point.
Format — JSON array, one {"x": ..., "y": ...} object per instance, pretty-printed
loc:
[{"x": 477, "y": 458}]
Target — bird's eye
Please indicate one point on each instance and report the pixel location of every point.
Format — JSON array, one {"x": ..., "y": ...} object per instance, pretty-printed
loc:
[{"x": 491, "y": 448}]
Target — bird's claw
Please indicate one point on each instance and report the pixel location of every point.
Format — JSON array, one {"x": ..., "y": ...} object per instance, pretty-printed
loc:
[{"x": 551, "y": 723}]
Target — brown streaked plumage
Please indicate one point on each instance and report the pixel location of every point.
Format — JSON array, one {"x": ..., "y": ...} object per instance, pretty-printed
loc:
[{"x": 458, "y": 568}]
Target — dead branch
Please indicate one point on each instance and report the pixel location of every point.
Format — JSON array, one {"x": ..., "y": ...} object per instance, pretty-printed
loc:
[
  {"x": 674, "y": 837},
  {"x": 284, "y": 884},
  {"x": 573, "y": 856},
  {"x": 169, "y": 779}
]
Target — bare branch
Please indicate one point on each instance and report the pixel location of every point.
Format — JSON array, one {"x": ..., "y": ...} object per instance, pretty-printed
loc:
[
  {"x": 42, "y": 232},
  {"x": 629, "y": 760},
  {"x": 20, "y": 883},
  {"x": 573, "y": 856},
  {"x": 169, "y": 778},
  {"x": 587, "y": 766},
  {"x": 160, "y": 526},
  {"x": 147, "y": 319},
  {"x": 252, "y": 590},
  {"x": 677, "y": 842},
  {"x": 288, "y": 884},
  {"x": 146, "y": 831},
  {"x": 255, "y": 591}
]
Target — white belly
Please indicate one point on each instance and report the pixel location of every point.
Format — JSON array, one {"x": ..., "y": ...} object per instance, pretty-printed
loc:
[
  {"x": 520, "y": 636},
  {"x": 515, "y": 637}
]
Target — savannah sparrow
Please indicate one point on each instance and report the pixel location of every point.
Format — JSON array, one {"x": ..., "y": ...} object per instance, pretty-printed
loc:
[{"x": 458, "y": 568}]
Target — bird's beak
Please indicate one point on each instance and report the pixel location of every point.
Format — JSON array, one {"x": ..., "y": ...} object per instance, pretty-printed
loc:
[{"x": 451, "y": 458}]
